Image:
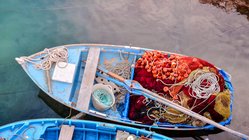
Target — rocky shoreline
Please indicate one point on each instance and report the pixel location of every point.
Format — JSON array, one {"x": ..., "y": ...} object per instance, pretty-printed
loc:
[{"x": 241, "y": 6}]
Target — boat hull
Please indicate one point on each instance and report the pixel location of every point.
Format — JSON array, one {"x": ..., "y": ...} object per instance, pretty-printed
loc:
[
  {"x": 65, "y": 97},
  {"x": 49, "y": 129}
]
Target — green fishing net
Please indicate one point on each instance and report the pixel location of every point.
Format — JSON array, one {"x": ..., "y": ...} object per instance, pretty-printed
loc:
[{"x": 103, "y": 96}]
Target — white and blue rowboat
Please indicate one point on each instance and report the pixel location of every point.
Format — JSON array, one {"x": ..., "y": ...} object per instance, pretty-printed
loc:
[
  {"x": 71, "y": 82},
  {"x": 61, "y": 129}
]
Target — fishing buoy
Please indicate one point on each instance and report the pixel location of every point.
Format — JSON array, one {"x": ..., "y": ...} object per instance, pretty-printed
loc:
[{"x": 102, "y": 97}]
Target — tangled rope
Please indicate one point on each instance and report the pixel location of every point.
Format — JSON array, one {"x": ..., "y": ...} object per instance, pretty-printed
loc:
[
  {"x": 157, "y": 107},
  {"x": 122, "y": 68},
  {"x": 161, "y": 109},
  {"x": 200, "y": 90},
  {"x": 50, "y": 56}
]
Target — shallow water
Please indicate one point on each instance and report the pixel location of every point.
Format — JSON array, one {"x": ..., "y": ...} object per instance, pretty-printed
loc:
[{"x": 186, "y": 27}]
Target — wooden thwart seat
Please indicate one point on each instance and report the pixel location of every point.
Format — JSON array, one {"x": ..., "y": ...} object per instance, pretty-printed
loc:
[
  {"x": 66, "y": 132},
  {"x": 88, "y": 79}
]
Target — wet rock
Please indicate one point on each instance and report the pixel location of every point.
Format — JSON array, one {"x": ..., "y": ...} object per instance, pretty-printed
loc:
[{"x": 241, "y": 6}]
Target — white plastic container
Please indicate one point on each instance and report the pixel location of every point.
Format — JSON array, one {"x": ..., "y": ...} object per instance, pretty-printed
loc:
[{"x": 99, "y": 105}]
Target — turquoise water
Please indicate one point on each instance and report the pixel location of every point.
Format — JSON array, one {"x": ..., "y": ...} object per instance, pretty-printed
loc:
[
  {"x": 25, "y": 28},
  {"x": 186, "y": 27}
]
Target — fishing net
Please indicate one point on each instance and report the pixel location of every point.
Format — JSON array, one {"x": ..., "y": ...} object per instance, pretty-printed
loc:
[{"x": 187, "y": 81}]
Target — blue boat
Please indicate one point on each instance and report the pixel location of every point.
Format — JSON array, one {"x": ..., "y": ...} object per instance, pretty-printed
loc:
[
  {"x": 62, "y": 129},
  {"x": 69, "y": 74}
]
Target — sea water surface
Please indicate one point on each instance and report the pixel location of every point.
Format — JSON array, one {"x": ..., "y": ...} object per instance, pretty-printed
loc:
[{"x": 181, "y": 26}]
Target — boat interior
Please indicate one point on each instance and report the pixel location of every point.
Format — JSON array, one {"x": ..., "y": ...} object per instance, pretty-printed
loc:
[{"x": 69, "y": 91}]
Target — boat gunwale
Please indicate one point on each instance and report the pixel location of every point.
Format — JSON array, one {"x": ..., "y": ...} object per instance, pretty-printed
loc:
[
  {"x": 102, "y": 45},
  {"x": 109, "y": 45}
]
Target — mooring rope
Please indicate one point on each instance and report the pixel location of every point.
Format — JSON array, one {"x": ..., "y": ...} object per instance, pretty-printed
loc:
[{"x": 65, "y": 119}]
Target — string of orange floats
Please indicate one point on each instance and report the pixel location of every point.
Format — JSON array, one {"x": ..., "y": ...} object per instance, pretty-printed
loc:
[{"x": 163, "y": 67}]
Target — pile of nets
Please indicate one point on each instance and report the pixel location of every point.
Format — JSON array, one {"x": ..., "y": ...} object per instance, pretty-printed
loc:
[{"x": 187, "y": 81}]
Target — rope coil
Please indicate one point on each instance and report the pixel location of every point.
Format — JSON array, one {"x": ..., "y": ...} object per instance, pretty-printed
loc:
[
  {"x": 50, "y": 56},
  {"x": 200, "y": 90}
]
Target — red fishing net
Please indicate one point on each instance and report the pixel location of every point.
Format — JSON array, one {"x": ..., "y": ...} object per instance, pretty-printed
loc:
[{"x": 170, "y": 69}]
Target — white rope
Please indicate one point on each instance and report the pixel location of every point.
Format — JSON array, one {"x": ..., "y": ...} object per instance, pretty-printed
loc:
[
  {"x": 50, "y": 56},
  {"x": 199, "y": 90}
]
